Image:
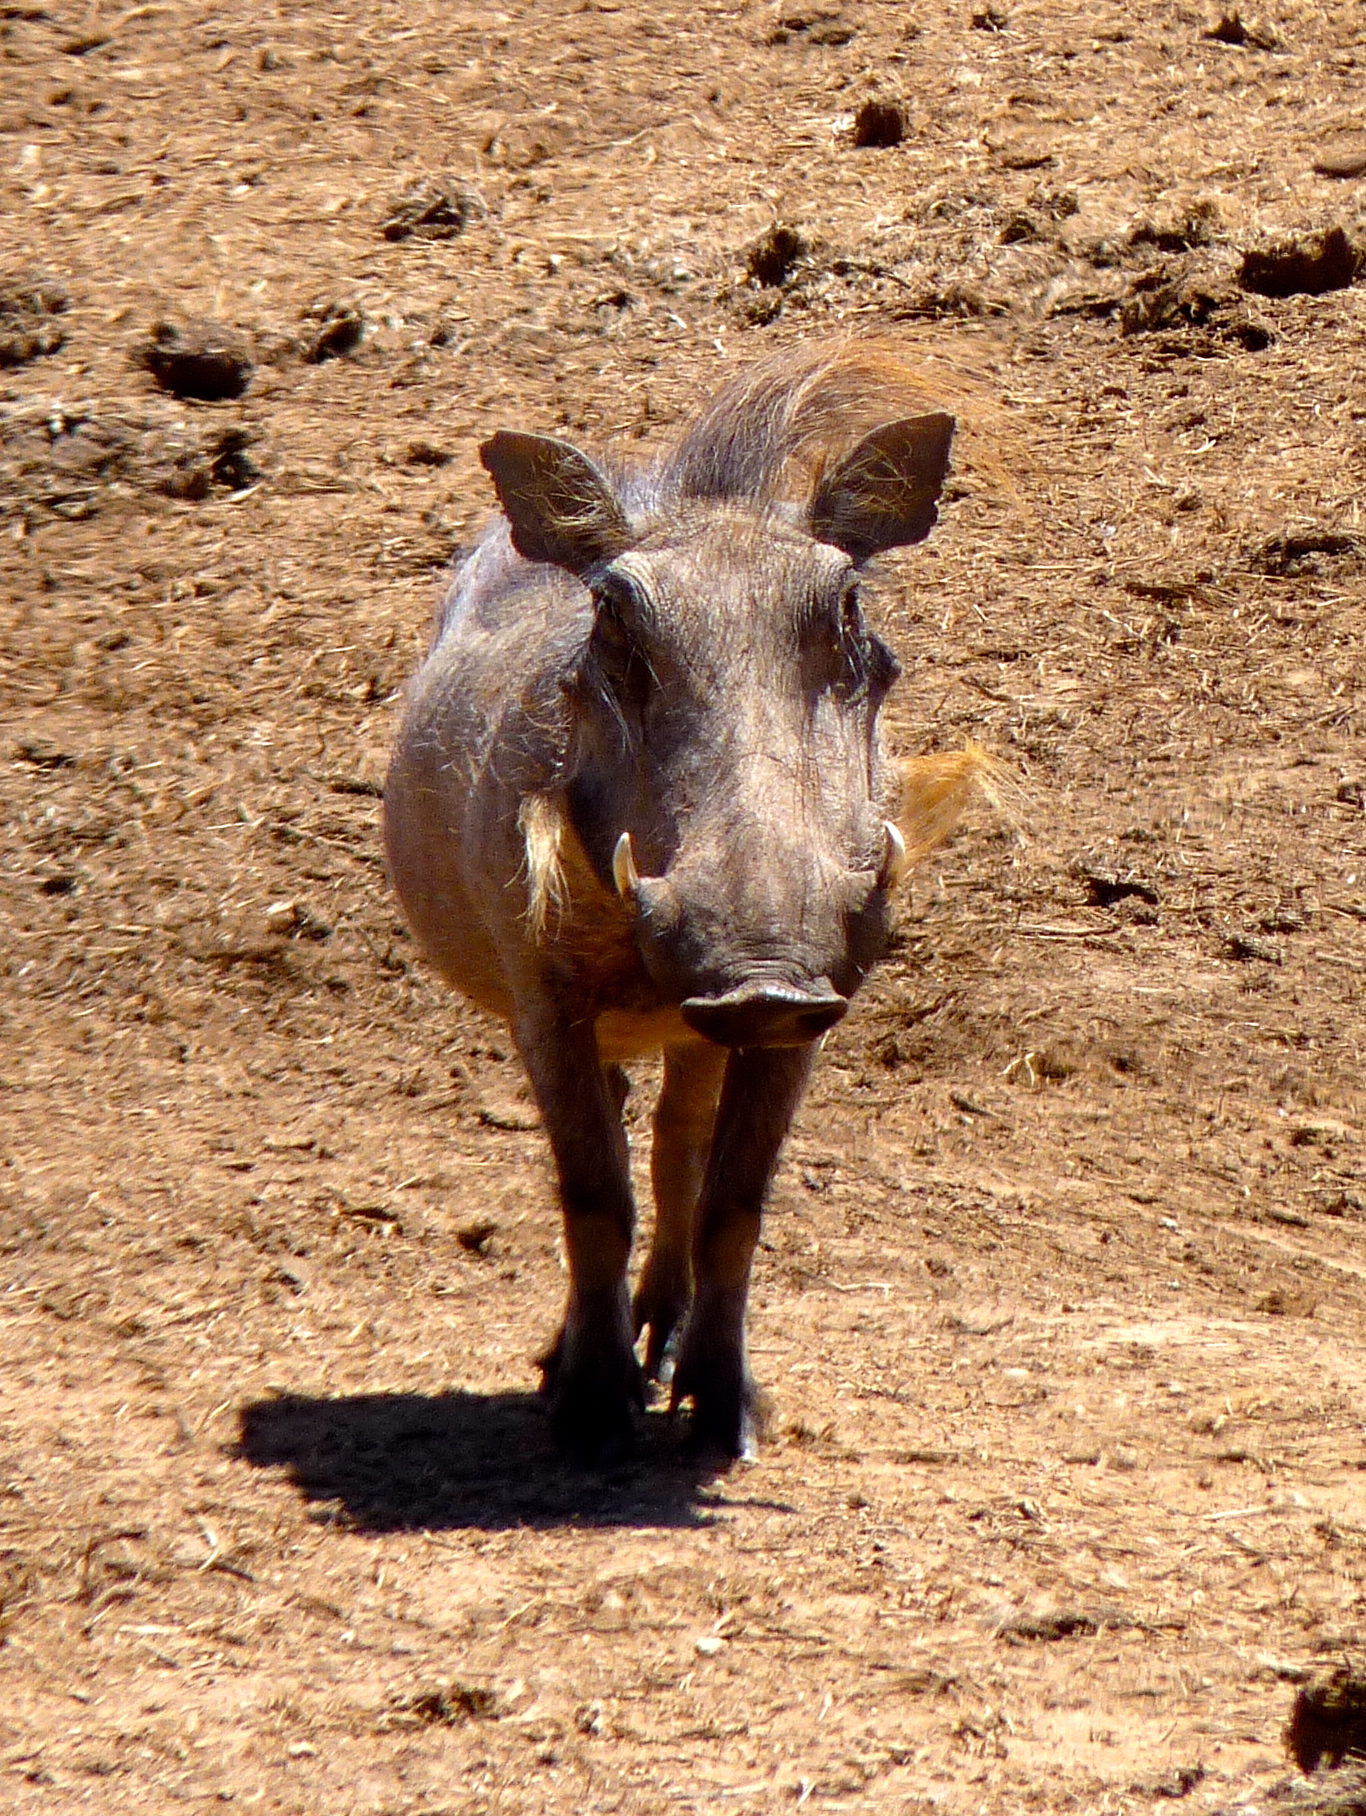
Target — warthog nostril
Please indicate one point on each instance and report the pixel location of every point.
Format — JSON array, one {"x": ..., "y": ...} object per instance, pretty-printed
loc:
[{"x": 767, "y": 1016}]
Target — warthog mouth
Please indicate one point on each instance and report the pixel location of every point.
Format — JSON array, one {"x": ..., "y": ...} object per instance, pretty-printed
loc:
[{"x": 766, "y": 1015}]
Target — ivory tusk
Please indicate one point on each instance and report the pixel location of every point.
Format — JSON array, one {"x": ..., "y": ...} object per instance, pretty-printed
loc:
[
  {"x": 624, "y": 872},
  {"x": 894, "y": 865}
]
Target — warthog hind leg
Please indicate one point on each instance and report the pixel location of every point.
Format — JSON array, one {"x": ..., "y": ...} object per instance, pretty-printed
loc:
[
  {"x": 589, "y": 1374},
  {"x": 758, "y": 1100}
]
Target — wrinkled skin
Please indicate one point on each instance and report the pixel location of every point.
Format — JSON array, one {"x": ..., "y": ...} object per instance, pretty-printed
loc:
[{"x": 697, "y": 674}]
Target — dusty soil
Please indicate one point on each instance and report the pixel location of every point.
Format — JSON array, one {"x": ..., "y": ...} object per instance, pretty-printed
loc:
[{"x": 1062, "y": 1302}]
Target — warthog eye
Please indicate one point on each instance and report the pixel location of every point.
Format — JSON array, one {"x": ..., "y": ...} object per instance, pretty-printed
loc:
[
  {"x": 616, "y": 662},
  {"x": 859, "y": 662}
]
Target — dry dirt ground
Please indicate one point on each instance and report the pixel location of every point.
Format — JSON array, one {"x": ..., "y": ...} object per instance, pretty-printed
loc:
[{"x": 1062, "y": 1302}]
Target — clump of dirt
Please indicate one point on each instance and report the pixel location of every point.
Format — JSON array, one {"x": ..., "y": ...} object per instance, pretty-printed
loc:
[
  {"x": 1177, "y": 296},
  {"x": 336, "y": 333},
  {"x": 1307, "y": 264},
  {"x": 1180, "y": 229},
  {"x": 449, "y": 1704},
  {"x": 1308, "y": 552},
  {"x": 29, "y": 329},
  {"x": 822, "y": 26},
  {"x": 74, "y": 466},
  {"x": 1105, "y": 885},
  {"x": 1252, "y": 34},
  {"x": 878, "y": 125},
  {"x": 1328, "y": 1720},
  {"x": 774, "y": 258},
  {"x": 434, "y": 208},
  {"x": 201, "y": 362}
]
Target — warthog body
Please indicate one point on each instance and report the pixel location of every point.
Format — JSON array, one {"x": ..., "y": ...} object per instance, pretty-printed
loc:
[{"x": 638, "y": 802}]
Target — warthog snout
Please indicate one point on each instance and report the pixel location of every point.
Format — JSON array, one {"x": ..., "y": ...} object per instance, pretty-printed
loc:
[{"x": 766, "y": 1015}]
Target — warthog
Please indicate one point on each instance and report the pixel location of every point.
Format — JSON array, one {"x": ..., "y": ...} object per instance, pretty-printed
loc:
[{"x": 638, "y": 802}]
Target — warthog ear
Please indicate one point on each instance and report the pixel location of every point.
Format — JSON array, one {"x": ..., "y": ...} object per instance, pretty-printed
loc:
[
  {"x": 886, "y": 492},
  {"x": 560, "y": 506}
]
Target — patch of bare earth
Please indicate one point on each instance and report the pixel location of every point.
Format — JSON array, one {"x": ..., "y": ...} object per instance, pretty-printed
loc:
[{"x": 1062, "y": 1301}]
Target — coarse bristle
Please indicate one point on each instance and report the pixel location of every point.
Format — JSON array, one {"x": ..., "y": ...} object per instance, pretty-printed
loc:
[
  {"x": 937, "y": 790},
  {"x": 774, "y": 427}
]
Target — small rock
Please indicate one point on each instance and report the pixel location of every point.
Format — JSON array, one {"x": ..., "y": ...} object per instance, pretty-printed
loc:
[
  {"x": 516, "y": 1117},
  {"x": 708, "y": 1645},
  {"x": 296, "y": 921},
  {"x": 476, "y": 1235},
  {"x": 1343, "y": 158}
]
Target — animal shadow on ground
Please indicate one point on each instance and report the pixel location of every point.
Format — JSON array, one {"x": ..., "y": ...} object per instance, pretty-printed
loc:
[{"x": 433, "y": 1461}]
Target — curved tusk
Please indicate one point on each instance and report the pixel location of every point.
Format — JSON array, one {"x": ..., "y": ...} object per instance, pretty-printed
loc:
[
  {"x": 895, "y": 864},
  {"x": 624, "y": 872}
]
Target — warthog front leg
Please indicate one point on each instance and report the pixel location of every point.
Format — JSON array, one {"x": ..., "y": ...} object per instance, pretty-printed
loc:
[
  {"x": 590, "y": 1373},
  {"x": 758, "y": 1100},
  {"x": 684, "y": 1120}
]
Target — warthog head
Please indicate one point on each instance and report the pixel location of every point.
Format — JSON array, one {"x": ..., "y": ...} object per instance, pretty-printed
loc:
[{"x": 724, "y": 769}]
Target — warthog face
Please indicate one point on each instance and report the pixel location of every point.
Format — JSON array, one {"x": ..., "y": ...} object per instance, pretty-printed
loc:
[{"x": 725, "y": 768}]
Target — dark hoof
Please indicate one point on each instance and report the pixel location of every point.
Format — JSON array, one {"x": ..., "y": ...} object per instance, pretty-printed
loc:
[
  {"x": 592, "y": 1433},
  {"x": 593, "y": 1402},
  {"x": 729, "y": 1413}
]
